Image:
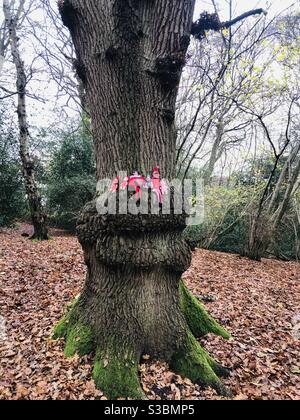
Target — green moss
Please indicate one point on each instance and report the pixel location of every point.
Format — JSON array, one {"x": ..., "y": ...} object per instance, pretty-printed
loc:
[
  {"x": 61, "y": 329},
  {"x": 220, "y": 371},
  {"x": 117, "y": 376},
  {"x": 80, "y": 340},
  {"x": 198, "y": 319},
  {"x": 191, "y": 361}
]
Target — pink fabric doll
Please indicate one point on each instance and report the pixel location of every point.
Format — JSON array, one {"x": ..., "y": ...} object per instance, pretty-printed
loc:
[
  {"x": 158, "y": 186},
  {"x": 136, "y": 181},
  {"x": 115, "y": 184}
]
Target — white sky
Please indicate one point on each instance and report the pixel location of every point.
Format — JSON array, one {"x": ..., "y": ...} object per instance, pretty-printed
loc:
[
  {"x": 43, "y": 115},
  {"x": 240, "y": 6},
  {"x": 274, "y": 7}
]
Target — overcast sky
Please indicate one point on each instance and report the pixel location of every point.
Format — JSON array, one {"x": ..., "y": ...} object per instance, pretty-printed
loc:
[
  {"x": 274, "y": 7},
  {"x": 240, "y": 6}
]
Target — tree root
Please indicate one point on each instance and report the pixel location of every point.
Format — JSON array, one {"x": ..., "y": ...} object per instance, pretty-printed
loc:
[
  {"x": 115, "y": 369},
  {"x": 116, "y": 373},
  {"x": 79, "y": 337},
  {"x": 193, "y": 362},
  {"x": 199, "y": 321},
  {"x": 116, "y": 363}
]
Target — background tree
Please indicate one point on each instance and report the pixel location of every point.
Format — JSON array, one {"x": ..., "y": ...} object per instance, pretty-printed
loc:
[
  {"x": 13, "y": 17},
  {"x": 241, "y": 85},
  {"x": 56, "y": 56},
  {"x": 231, "y": 204},
  {"x": 225, "y": 65}
]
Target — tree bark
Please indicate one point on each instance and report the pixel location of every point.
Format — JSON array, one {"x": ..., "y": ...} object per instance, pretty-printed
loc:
[
  {"x": 34, "y": 200},
  {"x": 130, "y": 56}
]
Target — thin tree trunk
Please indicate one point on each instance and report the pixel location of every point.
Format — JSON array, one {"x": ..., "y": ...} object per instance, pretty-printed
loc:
[
  {"x": 215, "y": 153},
  {"x": 130, "y": 56},
  {"x": 290, "y": 160},
  {"x": 34, "y": 200},
  {"x": 278, "y": 215},
  {"x": 263, "y": 224},
  {"x": 258, "y": 236}
]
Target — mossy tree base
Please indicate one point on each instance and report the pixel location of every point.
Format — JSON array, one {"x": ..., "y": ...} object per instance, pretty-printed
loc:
[
  {"x": 116, "y": 363},
  {"x": 115, "y": 367}
]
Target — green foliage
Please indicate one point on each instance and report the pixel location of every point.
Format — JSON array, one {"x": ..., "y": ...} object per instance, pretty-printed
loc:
[
  {"x": 257, "y": 172},
  {"x": 71, "y": 178},
  {"x": 224, "y": 225},
  {"x": 67, "y": 197},
  {"x": 12, "y": 203},
  {"x": 286, "y": 244},
  {"x": 12, "y": 194},
  {"x": 227, "y": 211}
]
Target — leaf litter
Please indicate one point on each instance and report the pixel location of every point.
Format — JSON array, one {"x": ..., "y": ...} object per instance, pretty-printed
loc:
[{"x": 258, "y": 302}]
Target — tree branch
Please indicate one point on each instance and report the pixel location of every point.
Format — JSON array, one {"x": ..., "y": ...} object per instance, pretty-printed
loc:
[
  {"x": 211, "y": 21},
  {"x": 243, "y": 16}
]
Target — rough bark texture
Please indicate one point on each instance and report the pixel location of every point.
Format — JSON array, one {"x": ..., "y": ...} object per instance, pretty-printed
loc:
[
  {"x": 34, "y": 200},
  {"x": 130, "y": 58}
]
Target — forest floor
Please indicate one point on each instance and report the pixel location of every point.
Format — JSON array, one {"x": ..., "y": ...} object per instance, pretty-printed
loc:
[{"x": 258, "y": 302}]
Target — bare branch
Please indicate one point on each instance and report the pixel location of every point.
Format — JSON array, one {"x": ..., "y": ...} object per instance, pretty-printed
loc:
[
  {"x": 211, "y": 21},
  {"x": 242, "y": 17}
]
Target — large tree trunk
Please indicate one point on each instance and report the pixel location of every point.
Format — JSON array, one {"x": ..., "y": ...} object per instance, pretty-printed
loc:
[
  {"x": 34, "y": 200},
  {"x": 130, "y": 58}
]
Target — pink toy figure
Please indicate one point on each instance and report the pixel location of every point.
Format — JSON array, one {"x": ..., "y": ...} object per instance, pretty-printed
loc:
[
  {"x": 115, "y": 184},
  {"x": 158, "y": 186},
  {"x": 136, "y": 181}
]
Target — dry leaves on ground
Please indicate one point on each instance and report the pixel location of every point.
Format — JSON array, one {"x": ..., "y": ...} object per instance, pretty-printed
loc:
[{"x": 259, "y": 303}]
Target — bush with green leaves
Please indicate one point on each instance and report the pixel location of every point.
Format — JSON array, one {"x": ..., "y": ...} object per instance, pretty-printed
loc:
[
  {"x": 12, "y": 194},
  {"x": 71, "y": 178},
  {"x": 286, "y": 243},
  {"x": 226, "y": 220}
]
